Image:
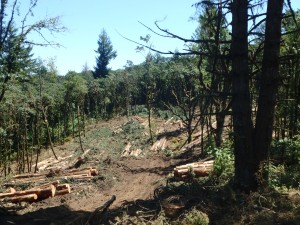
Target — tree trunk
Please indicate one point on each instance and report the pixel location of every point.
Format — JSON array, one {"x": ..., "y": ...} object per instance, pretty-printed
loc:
[
  {"x": 78, "y": 125},
  {"x": 48, "y": 132},
  {"x": 269, "y": 82},
  {"x": 241, "y": 104}
]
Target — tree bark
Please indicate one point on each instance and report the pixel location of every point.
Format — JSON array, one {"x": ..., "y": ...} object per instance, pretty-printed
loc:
[
  {"x": 241, "y": 104},
  {"x": 48, "y": 132},
  {"x": 269, "y": 82},
  {"x": 79, "y": 128}
]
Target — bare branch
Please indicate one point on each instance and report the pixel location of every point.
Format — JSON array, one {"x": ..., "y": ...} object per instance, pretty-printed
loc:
[
  {"x": 293, "y": 13},
  {"x": 155, "y": 50},
  {"x": 51, "y": 25},
  {"x": 4, "y": 31},
  {"x": 172, "y": 35},
  {"x": 32, "y": 5}
]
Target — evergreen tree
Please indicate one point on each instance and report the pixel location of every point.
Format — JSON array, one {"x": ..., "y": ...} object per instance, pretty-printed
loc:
[
  {"x": 106, "y": 53},
  {"x": 15, "y": 59}
]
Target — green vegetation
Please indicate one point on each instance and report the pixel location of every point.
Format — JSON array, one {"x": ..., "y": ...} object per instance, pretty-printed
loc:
[
  {"x": 106, "y": 53},
  {"x": 46, "y": 108},
  {"x": 239, "y": 88}
]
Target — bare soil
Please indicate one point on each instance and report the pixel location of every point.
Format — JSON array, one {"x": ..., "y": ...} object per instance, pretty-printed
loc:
[
  {"x": 128, "y": 178},
  {"x": 139, "y": 183}
]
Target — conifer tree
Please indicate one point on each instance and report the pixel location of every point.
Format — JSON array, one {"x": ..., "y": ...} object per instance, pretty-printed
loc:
[{"x": 106, "y": 53}]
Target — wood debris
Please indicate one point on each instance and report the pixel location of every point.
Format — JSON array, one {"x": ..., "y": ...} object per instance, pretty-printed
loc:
[
  {"x": 80, "y": 173},
  {"x": 130, "y": 152},
  {"x": 159, "y": 145},
  {"x": 51, "y": 169},
  {"x": 36, "y": 194},
  {"x": 197, "y": 169}
]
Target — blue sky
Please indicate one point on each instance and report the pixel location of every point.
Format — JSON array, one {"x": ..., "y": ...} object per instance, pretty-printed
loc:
[{"x": 85, "y": 20}]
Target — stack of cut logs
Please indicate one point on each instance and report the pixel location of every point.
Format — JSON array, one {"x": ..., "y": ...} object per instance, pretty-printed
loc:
[
  {"x": 46, "y": 190},
  {"x": 78, "y": 174},
  {"x": 35, "y": 194},
  {"x": 198, "y": 169}
]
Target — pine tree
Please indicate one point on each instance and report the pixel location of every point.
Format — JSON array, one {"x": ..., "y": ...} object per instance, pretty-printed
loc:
[
  {"x": 106, "y": 53},
  {"x": 16, "y": 59}
]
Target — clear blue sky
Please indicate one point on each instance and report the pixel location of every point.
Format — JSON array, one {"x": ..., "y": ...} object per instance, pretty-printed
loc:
[{"x": 85, "y": 20}]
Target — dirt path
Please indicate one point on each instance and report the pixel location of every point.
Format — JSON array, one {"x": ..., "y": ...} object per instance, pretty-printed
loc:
[
  {"x": 135, "y": 179},
  {"x": 129, "y": 179}
]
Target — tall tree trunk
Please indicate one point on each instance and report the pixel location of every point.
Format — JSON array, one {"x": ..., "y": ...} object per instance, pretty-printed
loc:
[
  {"x": 73, "y": 121},
  {"x": 269, "y": 81},
  {"x": 79, "y": 130},
  {"x": 48, "y": 133},
  {"x": 83, "y": 122},
  {"x": 38, "y": 129},
  {"x": 241, "y": 104}
]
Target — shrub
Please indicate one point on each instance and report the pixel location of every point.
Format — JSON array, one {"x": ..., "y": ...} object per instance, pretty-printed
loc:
[
  {"x": 223, "y": 164},
  {"x": 195, "y": 217},
  {"x": 287, "y": 150}
]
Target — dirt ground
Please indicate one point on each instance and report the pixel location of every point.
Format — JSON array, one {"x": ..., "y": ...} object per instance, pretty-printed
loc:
[
  {"x": 135, "y": 172},
  {"x": 129, "y": 179}
]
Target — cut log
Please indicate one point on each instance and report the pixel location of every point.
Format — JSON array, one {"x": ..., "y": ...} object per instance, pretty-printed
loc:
[
  {"x": 22, "y": 198},
  {"x": 94, "y": 172},
  {"x": 63, "y": 186},
  {"x": 76, "y": 176},
  {"x": 62, "y": 189},
  {"x": 199, "y": 169},
  {"x": 51, "y": 161},
  {"x": 195, "y": 165},
  {"x": 43, "y": 186},
  {"x": 159, "y": 145},
  {"x": 9, "y": 191},
  {"x": 81, "y": 172},
  {"x": 80, "y": 160},
  {"x": 28, "y": 175},
  {"x": 41, "y": 193}
]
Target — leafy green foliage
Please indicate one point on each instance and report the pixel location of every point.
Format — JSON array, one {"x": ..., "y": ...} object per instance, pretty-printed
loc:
[
  {"x": 224, "y": 159},
  {"x": 284, "y": 174},
  {"x": 287, "y": 150}
]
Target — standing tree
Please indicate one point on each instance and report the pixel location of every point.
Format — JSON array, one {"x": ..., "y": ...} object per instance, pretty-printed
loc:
[
  {"x": 252, "y": 134},
  {"x": 106, "y": 53},
  {"x": 15, "y": 40}
]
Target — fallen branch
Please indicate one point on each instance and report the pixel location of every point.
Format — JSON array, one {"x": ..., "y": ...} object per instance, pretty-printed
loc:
[
  {"x": 79, "y": 161},
  {"x": 101, "y": 210}
]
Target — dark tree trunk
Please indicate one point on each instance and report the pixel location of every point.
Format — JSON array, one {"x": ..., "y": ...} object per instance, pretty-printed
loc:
[
  {"x": 252, "y": 146},
  {"x": 241, "y": 104},
  {"x": 269, "y": 81}
]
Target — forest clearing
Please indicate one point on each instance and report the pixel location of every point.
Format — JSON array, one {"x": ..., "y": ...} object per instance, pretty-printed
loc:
[
  {"x": 205, "y": 134},
  {"x": 144, "y": 186}
]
